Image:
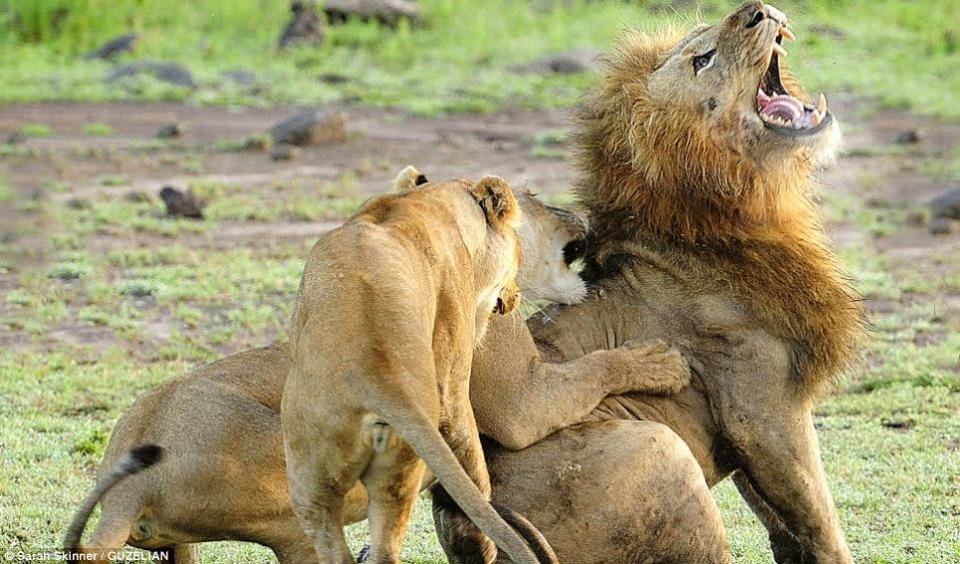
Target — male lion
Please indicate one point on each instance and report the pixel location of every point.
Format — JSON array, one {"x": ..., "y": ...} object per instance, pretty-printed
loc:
[
  {"x": 223, "y": 473},
  {"x": 697, "y": 153}
]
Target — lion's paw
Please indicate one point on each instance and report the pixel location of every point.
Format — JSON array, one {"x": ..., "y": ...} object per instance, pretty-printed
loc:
[{"x": 658, "y": 367}]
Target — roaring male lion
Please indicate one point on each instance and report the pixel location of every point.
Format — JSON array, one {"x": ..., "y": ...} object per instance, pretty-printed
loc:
[
  {"x": 697, "y": 153},
  {"x": 223, "y": 474}
]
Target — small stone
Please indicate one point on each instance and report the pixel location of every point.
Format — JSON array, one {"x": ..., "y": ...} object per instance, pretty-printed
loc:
[
  {"x": 304, "y": 25},
  {"x": 170, "y": 131},
  {"x": 117, "y": 45},
  {"x": 573, "y": 61},
  {"x": 387, "y": 12},
  {"x": 312, "y": 127},
  {"x": 169, "y": 72},
  {"x": 181, "y": 204},
  {"x": 946, "y": 205},
  {"x": 908, "y": 137},
  {"x": 241, "y": 77},
  {"x": 284, "y": 152},
  {"x": 940, "y": 226}
]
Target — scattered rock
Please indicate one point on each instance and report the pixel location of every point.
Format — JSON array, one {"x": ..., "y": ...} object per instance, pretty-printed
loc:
[
  {"x": 388, "y": 12},
  {"x": 181, "y": 204},
  {"x": 284, "y": 152},
  {"x": 241, "y": 77},
  {"x": 137, "y": 197},
  {"x": 311, "y": 128},
  {"x": 78, "y": 204},
  {"x": 120, "y": 44},
  {"x": 14, "y": 138},
  {"x": 304, "y": 25},
  {"x": 333, "y": 78},
  {"x": 940, "y": 226},
  {"x": 946, "y": 205},
  {"x": 583, "y": 59},
  {"x": 828, "y": 31},
  {"x": 172, "y": 73},
  {"x": 907, "y": 137},
  {"x": 899, "y": 424},
  {"x": 170, "y": 131}
]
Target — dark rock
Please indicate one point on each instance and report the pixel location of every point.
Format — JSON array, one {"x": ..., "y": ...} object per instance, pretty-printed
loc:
[
  {"x": 908, "y": 137},
  {"x": 181, "y": 204},
  {"x": 172, "y": 73},
  {"x": 311, "y": 128},
  {"x": 946, "y": 205},
  {"x": 388, "y": 12},
  {"x": 583, "y": 59},
  {"x": 170, "y": 131},
  {"x": 284, "y": 152},
  {"x": 110, "y": 49},
  {"x": 241, "y": 77},
  {"x": 940, "y": 226},
  {"x": 333, "y": 78},
  {"x": 304, "y": 25}
]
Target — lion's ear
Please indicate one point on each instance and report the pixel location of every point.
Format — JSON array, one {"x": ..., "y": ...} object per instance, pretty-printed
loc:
[
  {"x": 408, "y": 179},
  {"x": 497, "y": 201}
]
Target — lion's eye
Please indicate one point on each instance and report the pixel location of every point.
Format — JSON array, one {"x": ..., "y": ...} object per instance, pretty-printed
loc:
[{"x": 705, "y": 61}]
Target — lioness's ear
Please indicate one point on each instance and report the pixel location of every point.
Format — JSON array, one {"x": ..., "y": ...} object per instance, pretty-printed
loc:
[
  {"x": 497, "y": 201},
  {"x": 408, "y": 179}
]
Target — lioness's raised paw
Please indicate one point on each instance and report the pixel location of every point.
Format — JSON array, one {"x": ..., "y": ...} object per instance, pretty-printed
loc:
[{"x": 656, "y": 367}]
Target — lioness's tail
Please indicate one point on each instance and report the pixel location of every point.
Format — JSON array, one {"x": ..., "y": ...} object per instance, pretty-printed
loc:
[
  {"x": 134, "y": 460},
  {"x": 426, "y": 441}
]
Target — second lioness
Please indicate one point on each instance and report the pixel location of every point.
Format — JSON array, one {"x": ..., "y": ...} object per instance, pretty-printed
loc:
[{"x": 390, "y": 308}]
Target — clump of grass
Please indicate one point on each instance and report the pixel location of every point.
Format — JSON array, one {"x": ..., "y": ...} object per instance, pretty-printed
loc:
[
  {"x": 97, "y": 129},
  {"x": 36, "y": 130}
]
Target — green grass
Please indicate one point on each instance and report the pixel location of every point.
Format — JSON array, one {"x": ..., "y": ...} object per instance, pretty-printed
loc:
[
  {"x": 459, "y": 59},
  {"x": 36, "y": 130},
  {"x": 97, "y": 129}
]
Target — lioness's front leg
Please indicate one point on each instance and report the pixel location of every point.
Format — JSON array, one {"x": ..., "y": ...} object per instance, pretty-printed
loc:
[{"x": 510, "y": 379}]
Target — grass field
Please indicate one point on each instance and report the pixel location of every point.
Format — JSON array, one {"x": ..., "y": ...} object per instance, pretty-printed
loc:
[
  {"x": 894, "y": 52},
  {"x": 102, "y": 298}
]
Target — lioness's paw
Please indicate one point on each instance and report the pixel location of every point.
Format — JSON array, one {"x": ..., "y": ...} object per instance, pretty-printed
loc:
[{"x": 660, "y": 369}]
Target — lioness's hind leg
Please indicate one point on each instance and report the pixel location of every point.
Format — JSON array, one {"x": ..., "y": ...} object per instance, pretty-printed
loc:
[
  {"x": 464, "y": 542},
  {"x": 393, "y": 481}
]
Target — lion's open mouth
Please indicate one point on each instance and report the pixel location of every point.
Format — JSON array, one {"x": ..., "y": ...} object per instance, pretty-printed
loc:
[{"x": 781, "y": 111}]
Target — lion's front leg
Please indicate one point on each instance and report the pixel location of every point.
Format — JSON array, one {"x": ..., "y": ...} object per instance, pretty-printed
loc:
[
  {"x": 773, "y": 433},
  {"x": 520, "y": 399}
]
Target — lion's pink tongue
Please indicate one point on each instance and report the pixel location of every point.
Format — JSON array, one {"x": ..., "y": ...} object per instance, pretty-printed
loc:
[{"x": 782, "y": 106}]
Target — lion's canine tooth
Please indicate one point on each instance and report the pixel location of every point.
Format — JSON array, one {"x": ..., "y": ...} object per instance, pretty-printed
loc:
[
  {"x": 816, "y": 118},
  {"x": 779, "y": 50},
  {"x": 787, "y": 34},
  {"x": 822, "y": 104}
]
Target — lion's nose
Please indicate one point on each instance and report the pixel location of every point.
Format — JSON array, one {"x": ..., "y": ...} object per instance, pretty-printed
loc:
[{"x": 776, "y": 15}]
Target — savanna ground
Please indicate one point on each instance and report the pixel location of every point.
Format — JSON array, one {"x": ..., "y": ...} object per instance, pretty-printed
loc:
[{"x": 101, "y": 297}]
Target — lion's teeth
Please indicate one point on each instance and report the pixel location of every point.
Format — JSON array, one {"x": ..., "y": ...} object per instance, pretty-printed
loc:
[
  {"x": 816, "y": 118},
  {"x": 787, "y": 34},
  {"x": 822, "y": 104},
  {"x": 779, "y": 50}
]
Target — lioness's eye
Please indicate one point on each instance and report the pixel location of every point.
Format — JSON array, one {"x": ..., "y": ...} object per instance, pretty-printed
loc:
[{"x": 703, "y": 62}]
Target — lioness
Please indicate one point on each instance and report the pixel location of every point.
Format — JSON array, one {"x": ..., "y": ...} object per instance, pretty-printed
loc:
[
  {"x": 390, "y": 308},
  {"x": 697, "y": 152},
  {"x": 223, "y": 474}
]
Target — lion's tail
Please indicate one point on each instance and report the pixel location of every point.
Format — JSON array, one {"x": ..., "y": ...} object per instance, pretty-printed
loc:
[
  {"x": 426, "y": 441},
  {"x": 134, "y": 461}
]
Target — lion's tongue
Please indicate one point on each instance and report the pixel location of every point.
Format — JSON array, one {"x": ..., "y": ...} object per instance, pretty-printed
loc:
[{"x": 781, "y": 106}]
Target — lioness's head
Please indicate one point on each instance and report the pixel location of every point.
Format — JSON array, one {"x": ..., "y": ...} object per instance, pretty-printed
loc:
[
  {"x": 551, "y": 239},
  {"x": 703, "y": 133}
]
